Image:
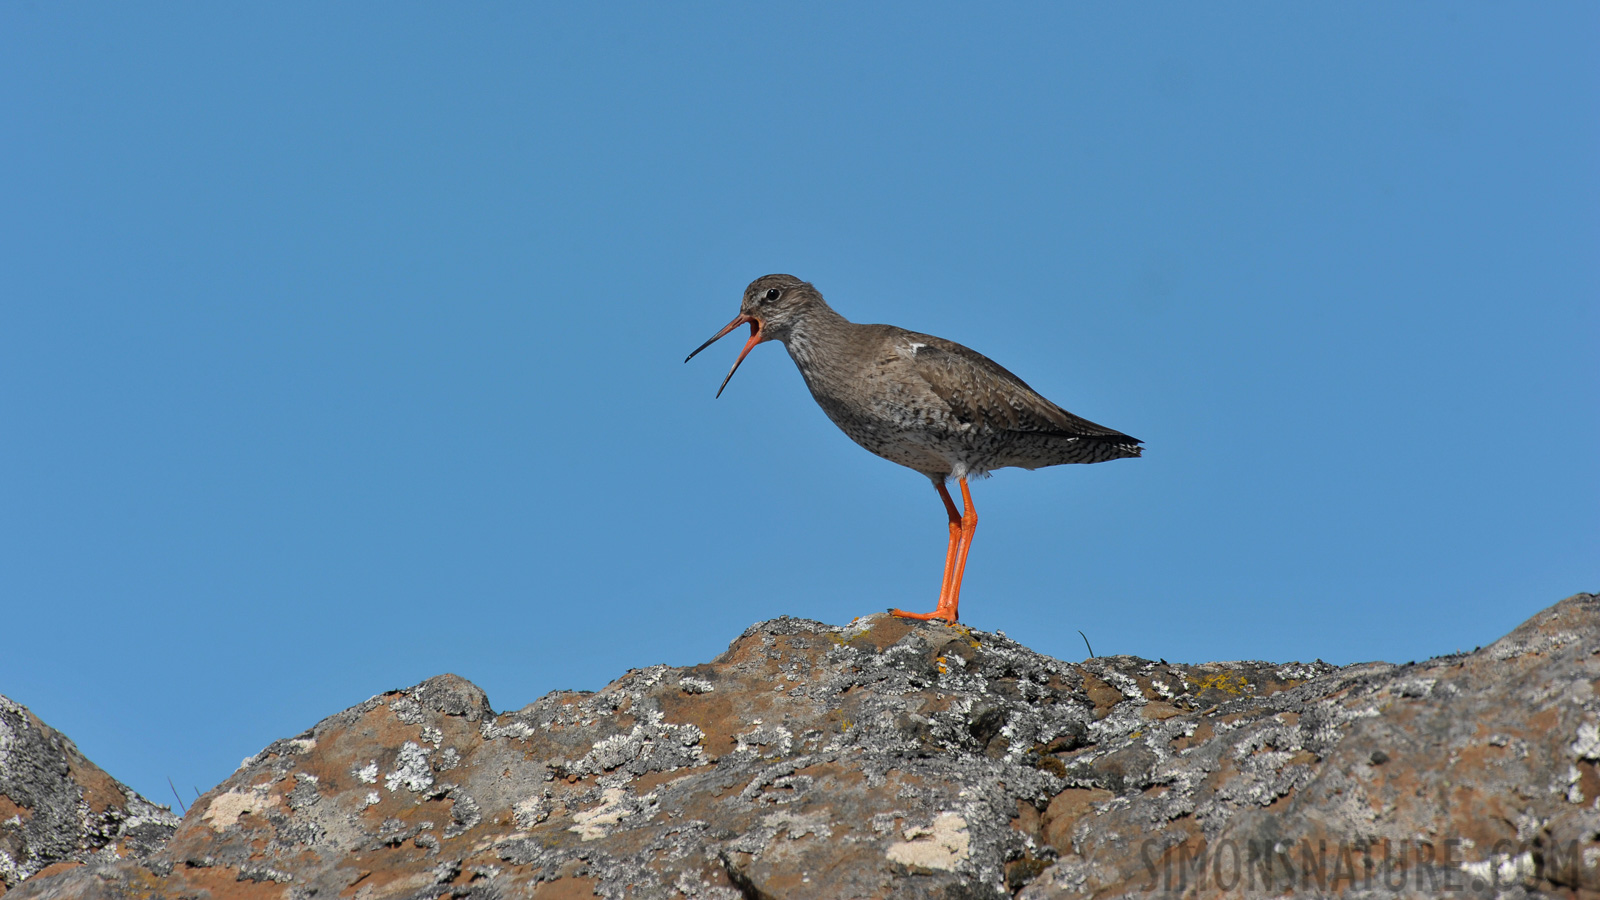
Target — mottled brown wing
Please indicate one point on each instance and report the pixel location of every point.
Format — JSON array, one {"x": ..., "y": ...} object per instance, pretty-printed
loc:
[{"x": 986, "y": 394}]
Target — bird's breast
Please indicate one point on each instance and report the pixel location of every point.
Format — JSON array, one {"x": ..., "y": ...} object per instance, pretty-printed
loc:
[{"x": 887, "y": 411}]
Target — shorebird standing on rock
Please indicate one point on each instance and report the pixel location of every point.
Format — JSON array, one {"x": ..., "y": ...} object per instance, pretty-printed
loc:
[{"x": 924, "y": 402}]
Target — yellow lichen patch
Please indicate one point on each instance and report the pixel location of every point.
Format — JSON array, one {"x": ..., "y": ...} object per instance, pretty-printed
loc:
[
  {"x": 966, "y": 634},
  {"x": 1226, "y": 682}
]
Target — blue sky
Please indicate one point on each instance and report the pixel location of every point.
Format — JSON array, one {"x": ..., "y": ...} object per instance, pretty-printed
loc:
[{"x": 341, "y": 345}]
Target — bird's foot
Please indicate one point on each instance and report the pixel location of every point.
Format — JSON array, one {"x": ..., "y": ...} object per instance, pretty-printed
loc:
[{"x": 942, "y": 614}]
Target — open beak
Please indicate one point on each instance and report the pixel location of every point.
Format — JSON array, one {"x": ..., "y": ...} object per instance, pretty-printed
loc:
[{"x": 755, "y": 338}]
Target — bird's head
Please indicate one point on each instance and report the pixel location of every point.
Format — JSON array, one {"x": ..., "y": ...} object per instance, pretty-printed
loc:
[{"x": 772, "y": 305}]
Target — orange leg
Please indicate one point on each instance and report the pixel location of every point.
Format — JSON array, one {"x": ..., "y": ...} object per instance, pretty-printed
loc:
[
  {"x": 969, "y": 527},
  {"x": 950, "y": 551},
  {"x": 962, "y": 526}
]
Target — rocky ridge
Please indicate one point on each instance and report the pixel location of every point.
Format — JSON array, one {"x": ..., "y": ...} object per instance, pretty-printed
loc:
[
  {"x": 58, "y": 807},
  {"x": 891, "y": 758}
]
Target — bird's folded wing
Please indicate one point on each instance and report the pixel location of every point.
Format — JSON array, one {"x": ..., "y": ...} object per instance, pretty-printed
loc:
[{"x": 983, "y": 392}]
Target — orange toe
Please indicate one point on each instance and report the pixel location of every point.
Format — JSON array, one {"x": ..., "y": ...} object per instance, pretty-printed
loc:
[{"x": 940, "y": 614}]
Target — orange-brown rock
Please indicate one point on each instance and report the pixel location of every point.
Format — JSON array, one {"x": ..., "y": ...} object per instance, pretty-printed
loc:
[{"x": 896, "y": 759}]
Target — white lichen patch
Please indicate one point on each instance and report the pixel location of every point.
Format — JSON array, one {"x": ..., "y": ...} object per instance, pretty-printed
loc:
[
  {"x": 515, "y": 729},
  {"x": 857, "y": 627},
  {"x": 775, "y": 737},
  {"x": 652, "y": 745},
  {"x": 303, "y": 745},
  {"x": 1587, "y": 746},
  {"x": 1508, "y": 647},
  {"x": 1416, "y": 688},
  {"x": 798, "y": 825},
  {"x": 407, "y": 710},
  {"x": 10, "y": 872},
  {"x": 1165, "y": 690},
  {"x": 883, "y": 823},
  {"x": 374, "y": 798},
  {"x": 613, "y": 808},
  {"x": 530, "y": 812},
  {"x": 367, "y": 774},
  {"x": 410, "y": 770},
  {"x": 691, "y": 685},
  {"x": 8, "y": 739},
  {"x": 1503, "y": 868},
  {"x": 225, "y": 810},
  {"x": 1126, "y": 684},
  {"x": 609, "y": 753},
  {"x": 944, "y": 844}
]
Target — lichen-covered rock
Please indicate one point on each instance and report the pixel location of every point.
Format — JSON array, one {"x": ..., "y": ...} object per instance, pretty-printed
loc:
[
  {"x": 56, "y": 807},
  {"x": 891, "y": 758},
  {"x": 1471, "y": 775}
]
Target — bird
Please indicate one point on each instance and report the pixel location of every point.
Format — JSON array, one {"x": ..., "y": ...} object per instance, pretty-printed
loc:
[{"x": 929, "y": 404}]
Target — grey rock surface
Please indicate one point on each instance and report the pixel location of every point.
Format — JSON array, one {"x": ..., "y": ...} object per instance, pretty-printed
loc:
[{"x": 913, "y": 760}]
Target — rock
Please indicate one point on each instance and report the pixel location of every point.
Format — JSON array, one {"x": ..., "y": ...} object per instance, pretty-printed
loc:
[
  {"x": 57, "y": 808},
  {"x": 913, "y": 760},
  {"x": 1467, "y": 775}
]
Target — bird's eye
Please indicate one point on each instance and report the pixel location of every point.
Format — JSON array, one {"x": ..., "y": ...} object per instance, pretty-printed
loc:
[{"x": 771, "y": 294}]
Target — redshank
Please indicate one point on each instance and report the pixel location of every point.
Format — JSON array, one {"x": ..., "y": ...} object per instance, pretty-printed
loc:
[{"x": 924, "y": 402}]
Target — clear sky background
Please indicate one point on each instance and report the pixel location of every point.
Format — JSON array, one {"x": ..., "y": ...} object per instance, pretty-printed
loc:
[{"x": 341, "y": 345}]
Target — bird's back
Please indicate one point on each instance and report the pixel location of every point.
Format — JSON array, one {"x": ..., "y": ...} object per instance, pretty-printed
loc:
[{"x": 939, "y": 407}]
